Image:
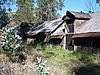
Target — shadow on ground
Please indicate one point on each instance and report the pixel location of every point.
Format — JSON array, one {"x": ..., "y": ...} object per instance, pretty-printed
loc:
[{"x": 91, "y": 69}]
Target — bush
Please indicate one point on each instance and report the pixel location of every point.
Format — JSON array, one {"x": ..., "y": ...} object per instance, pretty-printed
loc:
[{"x": 11, "y": 43}]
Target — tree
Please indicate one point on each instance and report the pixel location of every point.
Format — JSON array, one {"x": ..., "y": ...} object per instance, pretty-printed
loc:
[
  {"x": 37, "y": 10},
  {"x": 10, "y": 42},
  {"x": 47, "y": 9},
  {"x": 98, "y": 1},
  {"x": 91, "y": 5},
  {"x": 4, "y": 19},
  {"x": 24, "y": 12}
]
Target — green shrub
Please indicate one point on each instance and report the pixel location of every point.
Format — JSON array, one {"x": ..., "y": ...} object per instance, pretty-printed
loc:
[{"x": 11, "y": 43}]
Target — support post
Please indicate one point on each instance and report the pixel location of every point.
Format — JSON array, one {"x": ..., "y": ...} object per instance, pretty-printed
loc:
[{"x": 65, "y": 37}]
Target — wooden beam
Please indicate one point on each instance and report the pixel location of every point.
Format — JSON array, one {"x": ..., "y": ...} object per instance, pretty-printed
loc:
[
  {"x": 70, "y": 33},
  {"x": 65, "y": 37}
]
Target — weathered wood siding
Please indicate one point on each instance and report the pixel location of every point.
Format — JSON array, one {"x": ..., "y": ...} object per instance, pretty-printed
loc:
[
  {"x": 77, "y": 23},
  {"x": 69, "y": 36}
]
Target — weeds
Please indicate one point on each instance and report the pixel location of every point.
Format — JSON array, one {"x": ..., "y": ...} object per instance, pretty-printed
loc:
[
  {"x": 40, "y": 65},
  {"x": 65, "y": 60}
]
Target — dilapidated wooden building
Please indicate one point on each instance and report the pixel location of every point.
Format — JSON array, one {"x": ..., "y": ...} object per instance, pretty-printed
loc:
[
  {"x": 59, "y": 31},
  {"x": 87, "y": 35}
]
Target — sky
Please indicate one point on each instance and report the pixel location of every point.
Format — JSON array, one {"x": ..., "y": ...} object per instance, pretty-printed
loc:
[
  {"x": 75, "y": 5},
  {"x": 71, "y": 5}
]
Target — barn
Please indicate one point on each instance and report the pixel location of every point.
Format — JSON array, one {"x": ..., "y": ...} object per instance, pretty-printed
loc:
[
  {"x": 59, "y": 31},
  {"x": 87, "y": 35}
]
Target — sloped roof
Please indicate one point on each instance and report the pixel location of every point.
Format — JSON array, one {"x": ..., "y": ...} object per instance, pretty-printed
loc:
[
  {"x": 91, "y": 26},
  {"x": 59, "y": 32},
  {"x": 80, "y": 15},
  {"x": 47, "y": 26},
  {"x": 56, "y": 26}
]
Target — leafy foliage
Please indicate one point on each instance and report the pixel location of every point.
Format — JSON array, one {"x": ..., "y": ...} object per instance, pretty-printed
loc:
[
  {"x": 11, "y": 42},
  {"x": 98, "y": 1},
  {"x": 37, "y": 10},
  {"x": 4, "y": 19},
  {"x": 40, "y": 65},
  {"x": 47, "y": 9},
  {"x": 24, "y": 12}
]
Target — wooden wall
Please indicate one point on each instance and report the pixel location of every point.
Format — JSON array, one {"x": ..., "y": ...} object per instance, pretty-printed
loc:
[
  {"x": 69, "y": 35},
  {"x": 77, "y": 23},
  {"x": 87, "y": 43}
]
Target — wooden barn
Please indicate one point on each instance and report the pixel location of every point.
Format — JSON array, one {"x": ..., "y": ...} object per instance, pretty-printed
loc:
[
  {"x": 41, "y": 32},
  {"x": 59, "y": 31},
  {"x": 87, "y": 35},
  {"x": 76, "y": 19}
]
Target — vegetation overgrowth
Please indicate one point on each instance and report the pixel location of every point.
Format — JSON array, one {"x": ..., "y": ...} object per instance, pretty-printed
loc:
[
  {"x": 59, "y": 61},
  {"x": 65, "y": 61},
  {"x": 11, "y": 44}
]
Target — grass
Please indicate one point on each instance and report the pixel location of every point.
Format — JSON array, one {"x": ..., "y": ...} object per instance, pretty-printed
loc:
[
  {"x": 65, "y": 62},
  {"x": 59, "y": 61}
]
